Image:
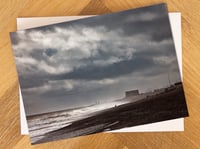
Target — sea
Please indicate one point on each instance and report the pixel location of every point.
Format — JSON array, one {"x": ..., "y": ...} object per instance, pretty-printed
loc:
[{"x": 41, "y": 124}]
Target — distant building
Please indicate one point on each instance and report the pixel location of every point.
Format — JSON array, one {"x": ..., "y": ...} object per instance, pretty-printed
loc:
[{"x": 132, "y": 93}]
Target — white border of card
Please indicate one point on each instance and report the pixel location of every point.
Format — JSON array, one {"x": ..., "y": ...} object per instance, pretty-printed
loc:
[{"x": 170, "y": 125}]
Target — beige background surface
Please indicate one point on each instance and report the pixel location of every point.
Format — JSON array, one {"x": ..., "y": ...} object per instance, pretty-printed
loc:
[{"x": 9, "y": 99}]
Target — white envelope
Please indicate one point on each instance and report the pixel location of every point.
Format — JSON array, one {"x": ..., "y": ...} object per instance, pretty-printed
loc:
[{"x": 170, "y": 125}]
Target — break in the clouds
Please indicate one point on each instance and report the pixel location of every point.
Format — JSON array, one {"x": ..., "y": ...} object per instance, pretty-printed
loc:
[{"x": 95, "y": 59}]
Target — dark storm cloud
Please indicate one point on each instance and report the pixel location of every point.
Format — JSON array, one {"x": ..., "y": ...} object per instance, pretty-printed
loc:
[
  {"x": 50, "y": 52},
  {"x": 159, "y": 24},
  {"x": 134, "y": 26},
  {"x": 15, "y": 38},
  {"x": 135, "y": 64},
  {"x": 33, "y": 80},
  {"x": 107, "y": 19},
  {"x": 160, "y": 29},
  {"x": 167, "y": 50}
]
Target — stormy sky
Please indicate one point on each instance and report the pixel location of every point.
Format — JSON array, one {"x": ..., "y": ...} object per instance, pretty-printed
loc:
[{"x": 81, "y": 62}]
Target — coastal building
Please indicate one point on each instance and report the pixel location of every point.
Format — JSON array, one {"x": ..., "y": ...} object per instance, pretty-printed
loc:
[{"x": 132, "y": 93}]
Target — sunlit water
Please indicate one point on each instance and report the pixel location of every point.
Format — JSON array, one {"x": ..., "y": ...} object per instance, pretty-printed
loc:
[{"x": 40, "y": 125}]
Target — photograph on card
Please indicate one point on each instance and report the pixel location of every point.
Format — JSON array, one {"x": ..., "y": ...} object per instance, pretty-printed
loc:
[{"x": 99, "y": 74}]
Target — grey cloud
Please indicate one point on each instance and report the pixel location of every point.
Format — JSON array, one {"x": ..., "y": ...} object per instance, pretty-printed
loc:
[{"x": 37, "y": 54}]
